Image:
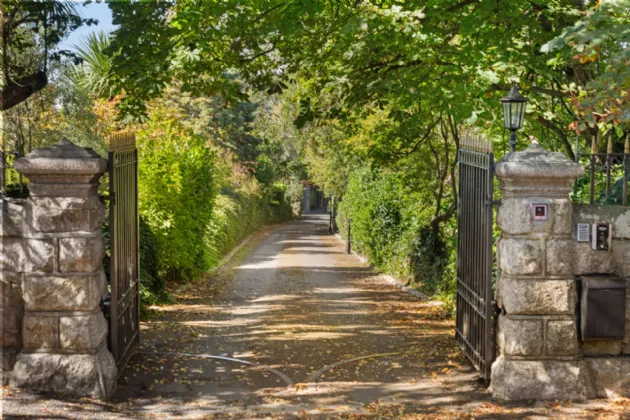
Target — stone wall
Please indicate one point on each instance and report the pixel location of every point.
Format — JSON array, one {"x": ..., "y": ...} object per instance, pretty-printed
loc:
[
  {"x": 11, "y": 273},
  {"x": 541, "y": 354},
  {"x": 610, "y": 373},
  {"x": 52, "y": 255},
  {"x": 537, "y": 330},
  {"x": 616, "y": 261}
]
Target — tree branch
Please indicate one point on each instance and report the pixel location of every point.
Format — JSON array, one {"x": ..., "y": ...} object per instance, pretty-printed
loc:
[
  {"x": 16, "y": 92},
  {"x": 563, "y": 136},
  {"x": 426, "y": 135},
  {"x": 260, "y": 54},
  {"x": 544, "y": 91},
  {"x": 460, "y": 5}
]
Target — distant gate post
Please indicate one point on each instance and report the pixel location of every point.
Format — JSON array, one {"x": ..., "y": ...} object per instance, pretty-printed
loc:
[
  {"x": 348, "y": 237},
  {"x": 537, "y": 336},
  {"x": 64, "y": 331}
]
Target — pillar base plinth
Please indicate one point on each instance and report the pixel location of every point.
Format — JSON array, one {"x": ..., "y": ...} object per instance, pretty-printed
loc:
[
  {"x": 541, "y": 380},
  {"x": 75, "y": 375}
]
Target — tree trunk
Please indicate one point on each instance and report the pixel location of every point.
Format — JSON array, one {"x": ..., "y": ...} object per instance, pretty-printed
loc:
[{"x": 17, "y": 92}]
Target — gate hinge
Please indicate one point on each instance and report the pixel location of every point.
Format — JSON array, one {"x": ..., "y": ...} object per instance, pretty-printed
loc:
[
  {"x": 496, "y": 308},
  {"x": 496, "y": 202}
]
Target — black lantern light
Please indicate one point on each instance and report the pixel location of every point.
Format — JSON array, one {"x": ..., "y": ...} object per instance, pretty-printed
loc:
[{"x": 513, "y": 114}]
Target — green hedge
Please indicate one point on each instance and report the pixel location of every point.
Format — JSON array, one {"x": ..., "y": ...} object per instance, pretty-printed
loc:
[
  {"x": 186, "y": 226},
  {"x": 176, "y": 195},
  {"x": 152, "y": 285},
  {"x": 236, "y": 216},
  {"x": 391, "y": 227}
]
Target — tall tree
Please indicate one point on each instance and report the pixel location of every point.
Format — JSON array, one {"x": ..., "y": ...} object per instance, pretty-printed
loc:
[
  {"x": 597, "y": 44},
  {"x": 422, "y": 58},
  {"x": 31, "y": 31},
  {"x": 398, "y": 79}
]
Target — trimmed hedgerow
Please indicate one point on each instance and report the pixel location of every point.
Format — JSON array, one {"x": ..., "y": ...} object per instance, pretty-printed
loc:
[{"x": 391, "y": 227}]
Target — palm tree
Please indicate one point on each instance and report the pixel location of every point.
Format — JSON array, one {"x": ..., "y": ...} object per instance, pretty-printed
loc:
[{"x": 94, "y": 73}]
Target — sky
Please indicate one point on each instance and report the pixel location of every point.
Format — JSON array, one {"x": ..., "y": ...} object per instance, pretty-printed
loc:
[{"x": 98, "y": 11}]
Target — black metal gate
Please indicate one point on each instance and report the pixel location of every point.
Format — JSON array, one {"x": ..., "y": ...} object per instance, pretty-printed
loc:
[
  {"x": 475, "y": 308},
  {"x": 124, "y": 258}
]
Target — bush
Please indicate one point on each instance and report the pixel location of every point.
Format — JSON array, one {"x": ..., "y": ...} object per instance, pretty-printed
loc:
[
  {"x": 391, "y": 227},
  {"x": 151, "y": 283},
  {"x": 429, "y": 260},
  {"x": 176, "y": 193},
  {"x": 236, "y": 216},
  {"x": 15, "y": 190},
  {"x": 373, "y": 204}
]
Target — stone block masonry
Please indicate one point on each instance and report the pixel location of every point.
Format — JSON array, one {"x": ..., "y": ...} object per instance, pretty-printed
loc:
[
  {"x": 51, "y": 260},
  {"x": 537, "y": 331},
  {"x": 11, "y": 314},
  {"x": 13, "y": 260},
  {"x": 541, "y": 354},
  {"x": 616, "y": 261}
]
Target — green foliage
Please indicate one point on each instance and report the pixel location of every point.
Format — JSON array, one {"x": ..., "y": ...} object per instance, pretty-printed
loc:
[
  {"x": 389, "y": 226},
  {"x": 598, "y": 42},
  {"x": 176, "y": 189},
  {"x": 430, "y": 260},
  {"x": 93, "y": 75},
  {"x": 264, "y": 170},
  {"x": 372, "y": 202},
  {"x": 416, "y": 60},
  {"x": 236, "y": 216},
  {"x": 51, "y": 20},
  {"x": 151, "y": 283}
]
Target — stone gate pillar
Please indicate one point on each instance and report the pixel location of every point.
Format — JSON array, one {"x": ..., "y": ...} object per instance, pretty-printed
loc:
[
  {"x": 64, "y": 331},
  {"x": 537, "y": 335}
]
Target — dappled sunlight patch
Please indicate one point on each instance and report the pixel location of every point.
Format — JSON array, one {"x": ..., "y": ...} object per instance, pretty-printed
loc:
[
  {"x": 334, "y": 290},
  {"x": 270, "y": 262},
  {"x": 219, "y": 324},
  {"x": 356, "y": 300},
  {"x": 292, "y": 328},
  {"x": 249, "y": 309},
  {"x": 274, "y": 297},
  {"x": 182, "y": 307},
  {"x": 353, "y": 313},
  {"x": 307, "y": 335}
]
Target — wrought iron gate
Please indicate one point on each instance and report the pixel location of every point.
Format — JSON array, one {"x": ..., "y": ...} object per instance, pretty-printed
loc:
[
  {"x": 475, "y": 308},
  {"x": 124, "y": 259}
]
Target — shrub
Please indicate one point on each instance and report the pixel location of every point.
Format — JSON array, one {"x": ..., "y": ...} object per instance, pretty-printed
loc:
[
  {"x": 390, "y": 225},
  {"x": 237, "y": 215},
  {"x": 151, "y": 283},
  {"x": 176, "y": 189},
  {"x": 373, "y": 204}
]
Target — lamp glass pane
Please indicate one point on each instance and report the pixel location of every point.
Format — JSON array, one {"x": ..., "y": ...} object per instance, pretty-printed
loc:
[
  {"x": 506, "y": 114},
  {"x": 515, "y": 115}
]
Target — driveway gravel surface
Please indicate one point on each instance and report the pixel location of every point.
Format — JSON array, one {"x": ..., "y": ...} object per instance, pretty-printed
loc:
[{"x": 293, "y": 327}]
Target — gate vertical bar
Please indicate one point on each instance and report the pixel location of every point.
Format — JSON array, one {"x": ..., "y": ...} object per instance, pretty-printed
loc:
[
  {"x": 3, "y": 173},
  {"x": 490, "y": 348},
  {"x": 348, "y": 239},
  {"x": 474, "y": 292},
  {"x": 137, "y": 242},
  {"x": 577, "y": 160},
  {"x": 113, "y": 263},
  {"x": 592, "y": 168},
  {"x": 609, "y": 162},
  {"x": 124, "y": 248},
  {"x": 626, "y": 169}
]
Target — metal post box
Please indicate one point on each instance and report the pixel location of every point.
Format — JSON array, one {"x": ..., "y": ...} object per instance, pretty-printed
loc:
[{"x": 603, "y": 307}]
